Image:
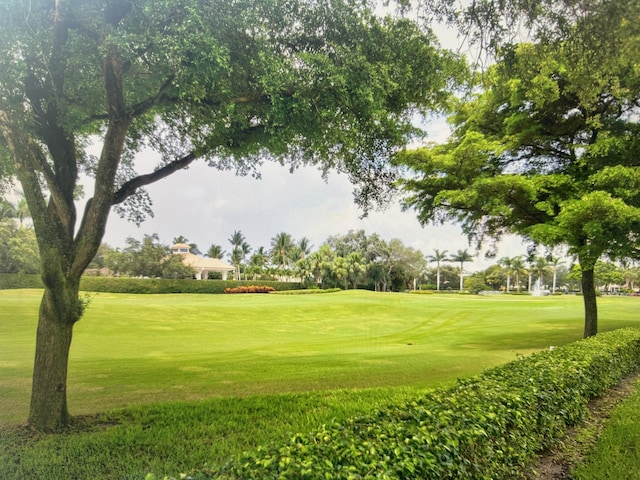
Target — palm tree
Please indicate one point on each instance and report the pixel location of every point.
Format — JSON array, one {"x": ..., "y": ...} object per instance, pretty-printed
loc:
[
  {"x": 22, "y": 210},
  {"x": 304, "y": 247},
  {"x": 555, "y": 263},
  {"x": 462, "y": 256},
  {"x": 236, "y": 240},
  {"x": 245, "y": 249},
  {"x": 438, "y": 256},
  {"x": 215, "y": 251},
  {"x": 281, "y": 246},
  {"x": 517, "y": 268},
  {"x": 258, "y": 261},
  {"x": 321, "y": 262},
  {"x": 356, "y": 267},
  {"x": 340, "y": 270},
  {"x": 539, "y": 267},
  {"x": 303, "y": 269},
  {"x": 507, "y": 262}
]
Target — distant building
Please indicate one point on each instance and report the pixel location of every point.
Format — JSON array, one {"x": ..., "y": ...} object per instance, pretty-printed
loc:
[{"x": 201, "y": 265}]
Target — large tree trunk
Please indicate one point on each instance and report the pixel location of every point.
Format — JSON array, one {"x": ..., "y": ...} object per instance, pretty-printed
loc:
[
  {"x": 590, "y": 305},
  {"x": 48, "y": 410}
]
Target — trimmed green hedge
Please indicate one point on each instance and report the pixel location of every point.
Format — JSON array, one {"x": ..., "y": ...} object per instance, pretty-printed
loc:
[
  {"x": 10, "y": 281},
  {"x": 485, "y": 427},
  {"x": 309, "y": 291},
  {"x": 161, "y": 285},
  {"x": 142, "y": 285}
]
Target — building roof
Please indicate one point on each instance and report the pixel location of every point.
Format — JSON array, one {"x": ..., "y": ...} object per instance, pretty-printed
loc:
[
  {"x": 200, "y": 263},
  {"x": 205, "y": 263}
]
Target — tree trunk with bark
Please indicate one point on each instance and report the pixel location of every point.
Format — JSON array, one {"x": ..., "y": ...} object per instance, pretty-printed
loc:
[
  {"x": 590, "y": 304},
  {"x": 48, "y": 410}
]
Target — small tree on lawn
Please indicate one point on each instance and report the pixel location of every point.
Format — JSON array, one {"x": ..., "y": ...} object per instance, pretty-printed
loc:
[{"x": 538, "y": 155}]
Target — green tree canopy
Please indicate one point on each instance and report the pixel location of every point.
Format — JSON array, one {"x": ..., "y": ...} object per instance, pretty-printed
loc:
[
  {"x": 539, "y": 154},
  {"x": 233, "y": 83},
  {"x": 18, "y": 247}
]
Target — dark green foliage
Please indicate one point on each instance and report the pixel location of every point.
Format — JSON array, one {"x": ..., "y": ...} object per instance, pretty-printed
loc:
[
  {"x": 19, "y": 280},
  {"x": 162, "y": 285},
  {"x": 140, "y": 285},
  {"x": 486, "y": 427}
]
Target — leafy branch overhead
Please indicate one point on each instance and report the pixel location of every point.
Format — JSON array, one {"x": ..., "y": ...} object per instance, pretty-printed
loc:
[{"x": 232, "y": 84}]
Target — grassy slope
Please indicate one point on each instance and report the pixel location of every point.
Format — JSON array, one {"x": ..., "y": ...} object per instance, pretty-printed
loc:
[
  {"x": 616, "y": 455},
  {"x": 131, "y": 350}
]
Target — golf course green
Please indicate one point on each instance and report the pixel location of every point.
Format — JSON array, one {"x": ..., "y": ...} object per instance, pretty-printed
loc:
[
  {"x": 136, "y": 349},
  {"x": 172, "y": 383}
]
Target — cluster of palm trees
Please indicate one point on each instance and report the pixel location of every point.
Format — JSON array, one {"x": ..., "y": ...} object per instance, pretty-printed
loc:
[
  {"x": 461, "y": 257},
  {"x": 285, "y": 251},
  {"x": 515, "y": 268},
  {"x": 537, "y": 268},
  {"x": 348, "y": 261}
]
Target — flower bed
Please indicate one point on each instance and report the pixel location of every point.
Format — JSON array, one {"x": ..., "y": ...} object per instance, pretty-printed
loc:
[{"x": 250, "y": 289}]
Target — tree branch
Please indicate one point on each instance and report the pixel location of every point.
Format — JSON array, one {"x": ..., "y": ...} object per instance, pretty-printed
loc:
[
  {"x": 130, "y": 187},
  {"x": 144, "y": 106}
]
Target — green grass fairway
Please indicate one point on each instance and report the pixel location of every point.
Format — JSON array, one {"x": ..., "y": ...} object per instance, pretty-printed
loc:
[
  {"x": 133, "y": 349},
  {"x": 616, "y": 451}
]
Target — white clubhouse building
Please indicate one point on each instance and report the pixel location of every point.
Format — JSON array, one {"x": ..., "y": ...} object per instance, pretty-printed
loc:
[{"x": 201, "y": 265}]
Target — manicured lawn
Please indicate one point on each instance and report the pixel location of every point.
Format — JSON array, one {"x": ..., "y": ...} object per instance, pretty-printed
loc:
[
  {"x": 616, "y": 455},
  {"x": 268, "y": 365}
]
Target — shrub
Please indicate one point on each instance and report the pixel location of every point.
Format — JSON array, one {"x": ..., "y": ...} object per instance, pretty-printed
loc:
[
  {"x": 140, "y": 285},
  {"x": 249, "y": 289},
  {"x": 486, "y": 427}
]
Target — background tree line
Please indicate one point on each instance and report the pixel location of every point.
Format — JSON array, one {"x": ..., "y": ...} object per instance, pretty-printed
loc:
[{"x": 352, "y": 260}]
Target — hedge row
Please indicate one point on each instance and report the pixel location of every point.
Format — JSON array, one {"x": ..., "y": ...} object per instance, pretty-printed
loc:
[
  {"x": 142, "y": 285},
  {"x": 19, "y": 280},
  {"x": 160, "y": 285},
  {"x": 309, "y": 291},
  {"x": 485, "y": 427}
]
